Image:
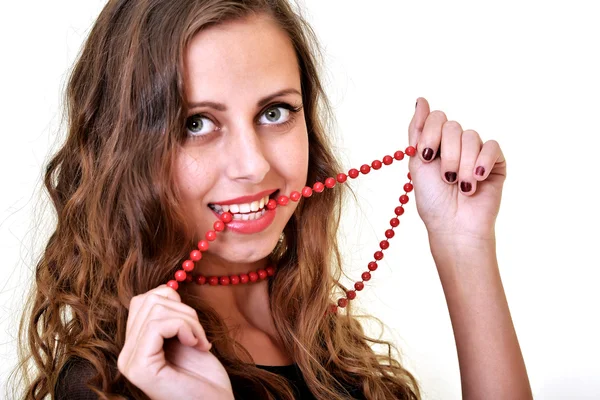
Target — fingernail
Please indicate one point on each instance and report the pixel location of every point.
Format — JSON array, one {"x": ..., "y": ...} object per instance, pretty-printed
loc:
[
  {"x": 465, "y": 186},
  {"x": 450, "y": 176},
  {"x": 428, "y": 153},
  {"x": 480, "y": 171}
]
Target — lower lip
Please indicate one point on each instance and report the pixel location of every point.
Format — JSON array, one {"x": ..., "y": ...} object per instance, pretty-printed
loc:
[{"x": 251, "y": 226}]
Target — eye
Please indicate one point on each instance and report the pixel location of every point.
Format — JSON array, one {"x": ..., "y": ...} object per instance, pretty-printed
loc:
[
  {"x": 275, "y": 115},
  {"x": 197, "y": 125}
]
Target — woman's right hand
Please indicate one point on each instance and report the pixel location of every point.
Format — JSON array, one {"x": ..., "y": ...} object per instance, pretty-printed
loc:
[{"x": 181, "y": 368}]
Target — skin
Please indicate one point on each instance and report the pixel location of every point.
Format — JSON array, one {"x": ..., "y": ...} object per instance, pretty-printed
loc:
[{"x": 231, "y": 64}]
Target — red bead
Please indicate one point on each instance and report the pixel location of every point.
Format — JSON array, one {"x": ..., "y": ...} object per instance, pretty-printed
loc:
[
  {"x": 180, "y": 275},
  {"x": 253, "y": 276},
  {"x": 341, "y": 177},
  {"x": 188, "y": 278},
  {"x": 384, "y": 244},
  {"x": 387, "y": 160},
  {"x": 224, "y": 280},
  {"x": 408, "y": 176},
  {"x": 283, "y": 200},
  {"x": 234, "y": 279},
  {"x": 173, "y": 285},
  {"x": 329, "y": 182},
  {"x": 262, "y": 274},
  {"x": 219, "y": 226},
  {"x": 411, "y": 151},
  {"x": 307, "y": 191},
  {"x": 200, "y": 280},
  {"x": 399, "y": 155},
  {"x": 213, "y": 281},
  {"x": 211, "y": 235},
  {"x": 295, "y": 195},
  {"x": 203, "y": 245},
  {"x": 372, "y": 266},
  {"x": 365, "y": 169},
  {"x": 351, "y": 294},
  {"x": 188, "y": 265},
  {"x": 318, "y": 187},
  {"x": 389, "y": 234},
  {"x": 226, "y": 217},
  {"x": 270, "y": 271},
  {"x": 404, "y": 199},
  {"x": 394, "y": 222},
  {"x": 244, "y": 278},
  {"x": 353, "y": 173},
  {"x": 408, "y": 187},
  {"x": 399, "y": 210},
  {"x": 376, "y": 164},
  {"x": 342, "y": 302},
  {"x": 271, "y": 204},
  {"x": 378, "y": 255},
  {"x": 359, "y": 286},
  {"x": 195, "y": 255},
  {"x": 366, "y": 276}
]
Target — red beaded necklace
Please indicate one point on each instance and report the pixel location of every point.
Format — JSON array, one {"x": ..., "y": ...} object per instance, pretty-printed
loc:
[{"x": 185, "y": 274}]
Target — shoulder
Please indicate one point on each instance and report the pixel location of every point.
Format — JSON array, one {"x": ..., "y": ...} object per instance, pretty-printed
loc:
[{"x": 72, "y": 380}]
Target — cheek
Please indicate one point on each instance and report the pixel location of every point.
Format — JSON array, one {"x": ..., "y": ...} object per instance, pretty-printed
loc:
[
  {"x": 191, "y": 176},
  {"x": 292, "y": 158}
]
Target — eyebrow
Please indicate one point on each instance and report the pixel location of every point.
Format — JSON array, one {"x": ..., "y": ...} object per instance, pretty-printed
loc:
[{"x": 261, "y": 102}]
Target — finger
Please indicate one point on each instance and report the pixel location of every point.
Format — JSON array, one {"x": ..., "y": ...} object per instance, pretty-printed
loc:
[
  {"x": 429, "y": 141},
  {"x": 471, "y": 146},
  {"x": 151, "y": 340},
  {"x": 450, "y": 151},
  {"x": 138, "y": 301},
  {"x": 156, "y": 307},
  {"x": 164, "y": 311},
  {"x": 490, "y": 156},
  {"x": 418, "y": 121}
]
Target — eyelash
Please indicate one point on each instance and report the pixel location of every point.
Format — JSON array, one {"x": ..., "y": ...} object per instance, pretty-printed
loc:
[{"x": 292, "y": 118}]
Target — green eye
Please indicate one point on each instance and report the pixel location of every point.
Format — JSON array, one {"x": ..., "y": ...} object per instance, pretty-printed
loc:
[
  {"x": 198, "y": 125},
  {"x": 273, "y": 114},
  {"x": 194, "y": 123}
]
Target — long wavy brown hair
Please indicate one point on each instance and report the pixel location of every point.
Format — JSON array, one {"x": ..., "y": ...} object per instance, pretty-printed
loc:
[{"x": 121, "y": 229}]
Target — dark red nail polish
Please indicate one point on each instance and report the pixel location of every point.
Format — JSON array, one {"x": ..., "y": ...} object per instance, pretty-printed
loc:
[
  {"x": 450, "y": 176},
  {"x": 465, "y": 186},
  {"x": 480, "y": 171},
  {"x": 428, "y": 154}
]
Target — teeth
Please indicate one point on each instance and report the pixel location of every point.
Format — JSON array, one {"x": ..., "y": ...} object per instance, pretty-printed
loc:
[{"x": 244, "y": 212}]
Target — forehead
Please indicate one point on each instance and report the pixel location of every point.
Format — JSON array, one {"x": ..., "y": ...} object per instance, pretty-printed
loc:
[{"x": 250, "y": 57}]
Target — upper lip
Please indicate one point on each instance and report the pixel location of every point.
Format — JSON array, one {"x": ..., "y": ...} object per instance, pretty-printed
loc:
[{"x": 246, "y": 199}]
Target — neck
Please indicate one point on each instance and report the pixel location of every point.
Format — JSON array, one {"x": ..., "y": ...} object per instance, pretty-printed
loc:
[{"x": 239, "y": 305}]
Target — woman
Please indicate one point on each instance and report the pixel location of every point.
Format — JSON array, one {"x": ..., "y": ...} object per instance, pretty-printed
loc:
[{"x": 180, "y": 110}]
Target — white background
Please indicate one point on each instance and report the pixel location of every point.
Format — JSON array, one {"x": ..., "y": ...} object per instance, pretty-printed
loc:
[{"x": 523, "y": 73}]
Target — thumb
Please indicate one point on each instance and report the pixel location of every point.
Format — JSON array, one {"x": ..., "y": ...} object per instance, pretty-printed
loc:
[{"x": 418, "y": 121}]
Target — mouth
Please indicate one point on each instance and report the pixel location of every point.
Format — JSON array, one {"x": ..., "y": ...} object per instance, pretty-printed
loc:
[{"x": 245, "y": 211}]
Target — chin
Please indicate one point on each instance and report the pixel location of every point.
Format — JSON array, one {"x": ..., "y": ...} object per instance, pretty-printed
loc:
[{"x": 243, "y": 252}]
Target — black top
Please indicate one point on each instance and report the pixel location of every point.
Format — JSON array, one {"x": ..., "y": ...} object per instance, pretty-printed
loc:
[{"x": 71, "y": 384}]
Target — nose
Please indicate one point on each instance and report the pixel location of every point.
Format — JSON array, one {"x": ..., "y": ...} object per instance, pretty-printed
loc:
[{"x": 247, "y": 161}]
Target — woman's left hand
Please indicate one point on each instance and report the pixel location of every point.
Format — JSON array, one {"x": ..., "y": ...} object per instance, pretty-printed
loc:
[{"x": 457, "y": 203}]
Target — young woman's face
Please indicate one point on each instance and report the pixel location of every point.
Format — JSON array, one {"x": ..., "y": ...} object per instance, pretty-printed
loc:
[{"x": 247, "y": 137}]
